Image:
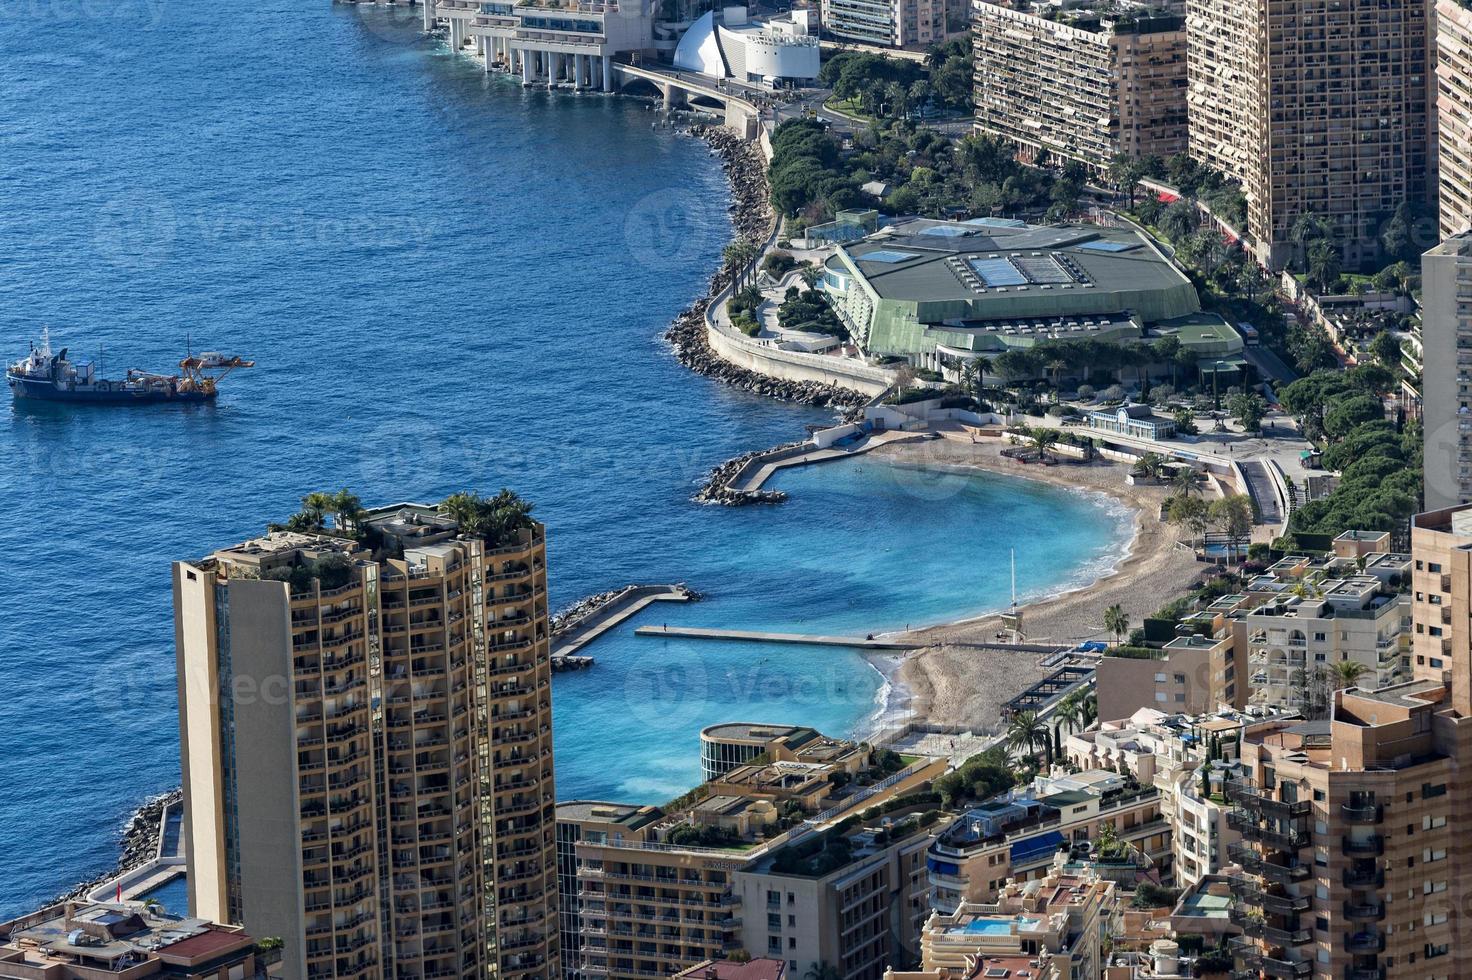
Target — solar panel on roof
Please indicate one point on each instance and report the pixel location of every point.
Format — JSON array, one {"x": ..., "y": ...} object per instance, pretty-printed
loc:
[
  {"x": 1101, "y": 246},
  {"x": 998, "y": 272},
  {"x": 888, "y": 256}
]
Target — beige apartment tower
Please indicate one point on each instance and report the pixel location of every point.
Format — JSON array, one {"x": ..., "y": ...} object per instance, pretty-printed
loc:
[
  {"x": 1446, "y": 374},
  {"x": 1454, "y": 116},
  {"x": 1314, "y": 106},
  {"x": 1082, "y": 84},
  {"x": 367, "y": 749}
]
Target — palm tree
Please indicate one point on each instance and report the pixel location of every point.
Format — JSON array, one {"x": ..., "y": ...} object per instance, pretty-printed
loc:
[
  {"x": 1043, "y": 439},
  {"x": 316, "y": 506},
  {"x": 1348, "y": 672},
  {"x": 810, "y": 274},
  {"x": 1184, "y": 483},
  {"x": 1070, "y": 710},
  {"x": 346, "y": 509},
  {"x": 973, "y": 373},
  {"x": 1117, "y": 622},
  {"x": 739, "y": 256},
  {"x": 1026, "y": 732},
  {"x": 1152, "y": 465}
]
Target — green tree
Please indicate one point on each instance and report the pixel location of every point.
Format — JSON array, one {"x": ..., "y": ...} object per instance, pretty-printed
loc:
[
  {"x": 1347, "y": 673},
  {"x": 1324, "y": 263},
  {"x": 1117, "y": 622},
  {"x": 1386, "y": 349},
  {"x": 1191, "y": 513},
  {"x": 1232, "y": 516},
  {"x": 1026, "y": 733},
  {"x": 1248, "y": 409}
]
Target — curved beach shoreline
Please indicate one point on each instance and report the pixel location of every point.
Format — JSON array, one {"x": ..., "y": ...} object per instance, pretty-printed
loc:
[{"x": 950, "y": 682}]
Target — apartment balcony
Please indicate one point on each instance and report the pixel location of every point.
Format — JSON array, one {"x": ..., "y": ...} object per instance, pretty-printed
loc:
[
  {"x": 1364, "y": 911},
  {"x": 1371, "y": 814},
  {"x": 1364, "y": 973},
  {"x": 1366, "y": 941},
  {"x": 1250, "y": 893},
  {"x": 1364, "y": 878},
  {"x": 1373, "y": 844},
  {"x": 1253, "y": 925},
  {"x": 1254, "y": 800},
  {"x": 1256, "y": 864},
  {"x": 1247, "y": 824}
]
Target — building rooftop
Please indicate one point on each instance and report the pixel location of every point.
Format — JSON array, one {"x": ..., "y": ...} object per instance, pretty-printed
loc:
[
  {"x": 76, "y": 940},
  {"x": 756, "y": 969},
  {"x": 622, "y": 814},
  {"x": 922, "y": 259}
]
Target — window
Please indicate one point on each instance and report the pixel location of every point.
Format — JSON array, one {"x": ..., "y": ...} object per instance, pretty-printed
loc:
[
  {"x": 1431, "y": 823},
  {"x": 1428, "y": 791},
  {"x": 792, "y": 942},
  {"x": 1432, "y": 887},
  {"x": 774, "y": 921},
  {"x": 774, "y": 944},
  {"x": 1431, "y": 854},
  {"x": 774, "y": 899},
  {"x": 1434, "y": 950},
  {"x": 1434, "y": 919}
]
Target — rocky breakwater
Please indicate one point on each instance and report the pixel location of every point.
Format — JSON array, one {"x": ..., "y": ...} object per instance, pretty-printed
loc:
[
  {"x": 717, "y": 488},
  {"x": 577, "y": 613},
  {"x": 751, "y": 214},
  {"x": 139, "y": 844}
]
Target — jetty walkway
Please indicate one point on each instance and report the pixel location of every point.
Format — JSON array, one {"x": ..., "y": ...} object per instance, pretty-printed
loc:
[
  {"x": 632, "y": 600},
  {"x": 885, "y": 641},
  {"x": 761, "y": 468}
]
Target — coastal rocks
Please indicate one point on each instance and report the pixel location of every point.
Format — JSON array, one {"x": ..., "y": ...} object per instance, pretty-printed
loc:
[
  {"x": 753, "y": 220},
  {"x": 718, "y": 490},
  {"x": 139, "y": 842}
]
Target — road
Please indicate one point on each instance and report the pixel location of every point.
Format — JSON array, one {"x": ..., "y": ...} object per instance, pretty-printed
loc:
[{"x": 1264, "y": 494}]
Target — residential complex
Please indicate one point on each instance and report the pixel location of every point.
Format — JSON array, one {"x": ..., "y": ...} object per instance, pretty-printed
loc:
[
  {"x": 1194, "y": 673},
  {"x": 1453, "y": 116},
  {"x": 1316, "y": 107},
  {"x": 366, "y": 736},
  {"x": 1446, "y": 371},
  {"x": 893, "y": 23},
  {"x": 1169, "y": 751},
  {"x": 780, "y": 858},
  {"x": 941, "y": 293},
  {"x": 1082, "y": 82},
  {"x": 84, "y": 941},
  {"x": 1015, "y": 835},
  {"x": 1051, "y": 927}
]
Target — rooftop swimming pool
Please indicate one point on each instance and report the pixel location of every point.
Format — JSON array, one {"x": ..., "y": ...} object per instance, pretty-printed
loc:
[{"x": 996, "y": 927}]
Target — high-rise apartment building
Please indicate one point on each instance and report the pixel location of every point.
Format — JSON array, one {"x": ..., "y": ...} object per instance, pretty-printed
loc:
[
  {"x": 367, "y": 749},
  {"x": 1083, "y": 83},
  {"x": 892, "y": 23},
  {"x": 1446, "y": 372},
  {"x": 1316, "y": 107},
  {"x": 1454, "y": 116},
  {"x": 1352, "y": 853}
]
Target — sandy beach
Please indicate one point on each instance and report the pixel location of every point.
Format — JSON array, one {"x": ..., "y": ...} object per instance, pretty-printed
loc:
[{"x": 951, "y": 683}]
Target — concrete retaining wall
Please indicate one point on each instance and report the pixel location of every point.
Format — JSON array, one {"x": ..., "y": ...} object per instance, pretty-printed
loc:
[{"x": 794, "y": 365}]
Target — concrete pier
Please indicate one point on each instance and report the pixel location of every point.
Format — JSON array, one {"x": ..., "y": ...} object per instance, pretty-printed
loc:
[
  {"x": 633, "y": 600},
  {"x": 762, "y": 636}
]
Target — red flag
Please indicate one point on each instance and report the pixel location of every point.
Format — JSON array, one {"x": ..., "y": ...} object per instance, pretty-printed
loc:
[{"x": 120, "y": 893}]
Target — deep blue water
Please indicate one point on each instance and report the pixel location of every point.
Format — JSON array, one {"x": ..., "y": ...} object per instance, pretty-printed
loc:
[{"x": 448, "y": 282}]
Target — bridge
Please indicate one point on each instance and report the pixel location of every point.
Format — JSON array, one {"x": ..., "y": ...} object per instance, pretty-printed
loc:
[{"x": 687, "y": 89}]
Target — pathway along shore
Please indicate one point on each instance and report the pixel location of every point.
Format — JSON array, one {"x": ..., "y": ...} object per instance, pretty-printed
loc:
[
  {"x": 139, "y": 842},
  {"x": 751, "y": 214}
]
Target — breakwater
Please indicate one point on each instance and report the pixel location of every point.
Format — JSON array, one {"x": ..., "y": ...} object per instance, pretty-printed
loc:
[
  {"x": 139, "y": 843},
  {"x": 718, "y": 488},
  {"x": 752, "y": 218}
]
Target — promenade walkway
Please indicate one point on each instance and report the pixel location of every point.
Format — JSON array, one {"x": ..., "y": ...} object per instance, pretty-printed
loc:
[{"x": 633, "y": 600}]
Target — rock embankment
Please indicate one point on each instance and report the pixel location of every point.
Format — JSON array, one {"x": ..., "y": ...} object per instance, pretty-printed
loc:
[
  {"x": 718, "y": 490},
  {"x": 751, "y": 214},
  {"x": 573, "y": 615},
  {"x": 138, "y": 841}
]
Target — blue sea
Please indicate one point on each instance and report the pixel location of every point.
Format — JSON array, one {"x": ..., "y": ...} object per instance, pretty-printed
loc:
[{"x": 448, "y": 282}]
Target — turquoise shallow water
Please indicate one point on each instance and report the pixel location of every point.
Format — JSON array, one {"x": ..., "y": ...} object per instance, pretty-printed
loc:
[{"x": 448, "y": 283}]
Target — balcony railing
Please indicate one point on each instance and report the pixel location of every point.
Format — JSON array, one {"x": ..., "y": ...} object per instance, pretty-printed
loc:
[
  {"x": 1361, "y": 814},
  {"x": 1373, "y": 844}
]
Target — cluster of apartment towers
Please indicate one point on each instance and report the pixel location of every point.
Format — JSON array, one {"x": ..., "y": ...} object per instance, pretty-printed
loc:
[{"x": 368, "y": 776}]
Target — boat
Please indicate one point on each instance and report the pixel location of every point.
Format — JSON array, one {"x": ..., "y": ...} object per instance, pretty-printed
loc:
[{"x": 44, "y": 376}]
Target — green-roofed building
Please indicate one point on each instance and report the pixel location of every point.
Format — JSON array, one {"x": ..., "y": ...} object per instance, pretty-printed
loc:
[{"x": 940, "y": 293}]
